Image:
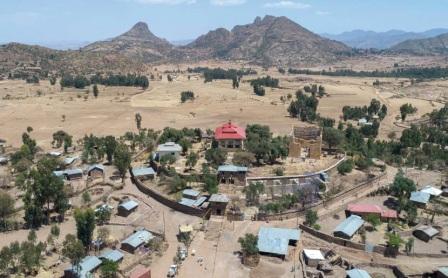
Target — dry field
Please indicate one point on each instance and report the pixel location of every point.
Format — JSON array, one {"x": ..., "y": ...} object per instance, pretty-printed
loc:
[{"x": 43, "y": 106}]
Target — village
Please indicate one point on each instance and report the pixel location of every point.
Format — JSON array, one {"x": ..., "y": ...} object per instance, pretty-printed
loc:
[{"x": 230, "y": 198}]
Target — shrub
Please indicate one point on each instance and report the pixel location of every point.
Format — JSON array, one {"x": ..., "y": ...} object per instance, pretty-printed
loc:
[
  {"x": 186, "y": 95},
  {"x": 345, "y": 167}
]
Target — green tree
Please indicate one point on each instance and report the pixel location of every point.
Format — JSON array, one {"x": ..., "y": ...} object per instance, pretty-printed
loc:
[
  {"x": 407, "y": 109},
  {"x": 253, "y": 192},
  {"x": 85, "y": 225},
  {"x": 402, "y": 186},
  {"x": 311, "y": 217},
  {"x": 333, "y": 137},
  {"x": 73, "y": 249},
  {"x": 394, "y": 243},
  {"x": 411, "y": 137},
  {"x": 102, "y": 215},
  {"x": 30, "y": 254},
  {"x": 109, "y": 269},
  {"x": 138, "y": 120},
  {"x": 249, "y": 244},
  {"x": 122, "y": 160},
  {"x": 374, "y": 220},
  {"x": 86, "y": 197},
  {"x": 215, "y": 156},
  {"x": 95, "y": 90},
  {"x": 243, "y": 158},
  {"x": 192, "y": 160},
  {"x": 345, "y": 167},
  {"x": 409, "y": 245},
  {"x": 110, "y": 145},
  {"x": 6, "y": 207},
  {"x": 185, "y": 144}
]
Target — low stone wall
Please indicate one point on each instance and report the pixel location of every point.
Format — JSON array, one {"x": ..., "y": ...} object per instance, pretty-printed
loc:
[
  {"x": 336, "y": 198},
  {"x": 165, "y": 201}
]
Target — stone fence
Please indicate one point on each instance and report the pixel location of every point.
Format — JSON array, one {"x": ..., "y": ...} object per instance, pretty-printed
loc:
[{"x": 166, "y": 201}]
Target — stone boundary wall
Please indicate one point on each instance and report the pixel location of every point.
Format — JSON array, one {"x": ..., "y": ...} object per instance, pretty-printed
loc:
[
  {"x": 249, "y": 179},
  {"x": 336, "y": 198},
  {"x": 165, "y": 201}
]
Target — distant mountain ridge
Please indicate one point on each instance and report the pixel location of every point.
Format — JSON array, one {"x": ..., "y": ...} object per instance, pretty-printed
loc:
[
  {"x": 381, "y": 40},
  {"x": 430, "y": 46}
]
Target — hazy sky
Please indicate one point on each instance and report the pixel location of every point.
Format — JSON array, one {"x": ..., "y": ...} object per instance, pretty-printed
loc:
[{"x": 89, "y": 20}]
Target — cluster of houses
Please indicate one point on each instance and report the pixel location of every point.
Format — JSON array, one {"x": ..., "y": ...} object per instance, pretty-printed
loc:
[
  {"x": 89, "y": 264},
  {"x": 422, "y": 197},
  {"x": 93, "y": 171},
  {"x": 275, "y": 242},
  {"x": 216, "y": 203}
]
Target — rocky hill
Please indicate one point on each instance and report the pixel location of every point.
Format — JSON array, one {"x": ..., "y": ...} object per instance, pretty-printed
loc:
[
  {"x": 270, "y": 41},
  {"x": 432, "y": 46},
  {"x": 137, "y": 43}
]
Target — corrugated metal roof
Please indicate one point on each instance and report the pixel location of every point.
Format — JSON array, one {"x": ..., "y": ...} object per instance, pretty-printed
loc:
[
  {"x": 111, "y": 255},
  {"x": 143, "y": 171},
  {"x": 138, "y": 238},
  {"x": 231, "y": 168},
  {"x": 432, "y": 190},
  {"x": 358, "y": 273},
  {"x": 169, "y": 147},
  {"x": 70, "y": 160},
  {"x": 86, "y": 266},
  {"x": 95, "y": 166},
  {"x": 313, "y": 254},
  {"x": 192, "y": 203},
  {"x": 191, "y": 192},
  {"x": 129, "y": 205},
  {"x": 350, "y": 225},
  {"x": 219, "y": 198},
  {"x": 420, "y": 197},
  {"x": 230, "y": 131},
  {"x": 428, "y": 230},
  {"x": 276, "y": 240},
  {"x": 70, "y": 172}
]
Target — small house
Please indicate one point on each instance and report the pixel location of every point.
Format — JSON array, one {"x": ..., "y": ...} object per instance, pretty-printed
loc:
[
  {"x": 312, "y": 257},
  {"x": 357, "y": 273},
  {"x": 69, "y": 160},
  {"x": 218, "y": 204},
  {"x": 432, "y": 191},
  {"x": 232, "y": 174},
  {"x": 141, "y": 272},
  {"x": 347, "y": 228},
  {"x": 143, "y": 173},
  {"x": 55, "y": 154},
  {"x": 85, "y": 269},
  {"x": 73, "y": 174},
  {"x": 191, "y": 194},
  {"x": 111, "y": 255},
  {"x": 230, "y": 136},
  {"x": 275, "y": 241},
  {"x": 95, "y": 171},
  {"x": 168, "y": 148},
  {"x": 127, "y": 207},
  {"x": 420, "y": 199},
  {"x": 136, "y": 240},
  {"x": 425, "y": 233},
  {"x": 193, "y": 203},
  {"x": 445, "y": 192},
  {"x": 364, "y": 210}
]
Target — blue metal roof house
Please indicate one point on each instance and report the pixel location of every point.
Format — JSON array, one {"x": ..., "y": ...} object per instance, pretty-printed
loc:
[
  {"x": 95, "y": 170},
  {"x": 191, "y": 194},
  {"x": 126, "y": 208},
  {"x": 232, "y": 174},
  {"x": 143, "y": 173},
  {"x": 347, "y": 228},
  {"x": 232, "y": 168},
  {"x": 136, "y": 240},
  {"x": 275, "y": 241},
  {"x": 420, "y": 198},
  {"x": 85, "y": 269},
  {"x": 111, "y": 255},
  {"x": 357, "y": 273}
]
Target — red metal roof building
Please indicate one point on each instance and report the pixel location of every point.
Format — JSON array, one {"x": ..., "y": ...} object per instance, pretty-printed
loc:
[
  {"x": 366, "y": 209},
  {"x": 141, "y": 272},
  {"x": 230, "y": 136}
]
